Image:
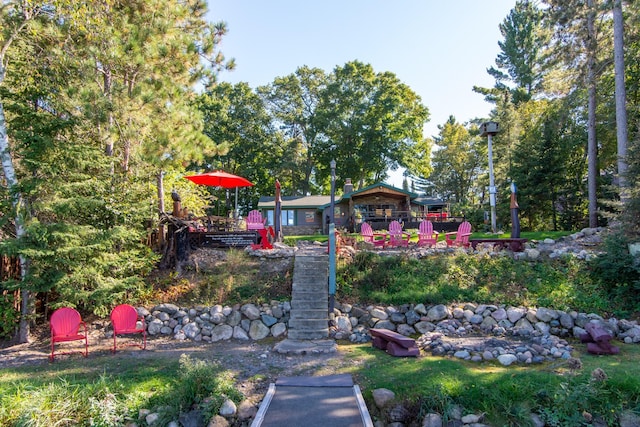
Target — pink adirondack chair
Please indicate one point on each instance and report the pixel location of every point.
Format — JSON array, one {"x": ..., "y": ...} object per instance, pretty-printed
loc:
[
  {"x": 426, "y": 235},
  {"x": 398, "y": 237},
  {"x": 65, "y": 326},
  {"x": 461, "y": 236},
  {"x": 126, "y": 321},
  {"x": 378, "y": 239},
  {"x": 255, "y": 220}
]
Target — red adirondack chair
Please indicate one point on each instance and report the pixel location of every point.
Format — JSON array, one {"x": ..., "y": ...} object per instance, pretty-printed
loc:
[
  {"x": 461, "y": 236},
  {"x": 378, "y": 239},
  {"x": 255, "y": 220},
  {"x": 265, "y": 242},
  {"x": 126, "y": 321},
  {"x": 65, "y": 326},
  {"x": 398, "y": 237},
  {"x": 426, "y": 235}
]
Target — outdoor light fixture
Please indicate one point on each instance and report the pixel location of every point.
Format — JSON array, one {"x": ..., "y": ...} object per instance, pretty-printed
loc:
[{"x": 489, "y": 129}]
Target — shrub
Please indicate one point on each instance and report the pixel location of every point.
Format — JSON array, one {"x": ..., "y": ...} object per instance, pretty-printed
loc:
[{"x": 617, "y": 272}]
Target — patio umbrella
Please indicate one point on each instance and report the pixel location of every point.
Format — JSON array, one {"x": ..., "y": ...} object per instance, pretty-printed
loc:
[{"x": 221, "y": 179}]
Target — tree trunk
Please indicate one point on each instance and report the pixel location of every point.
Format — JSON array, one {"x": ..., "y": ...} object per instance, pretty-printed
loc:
[
  {"x": 592, "y": 148},
  {"x": 160, "y": 208},
  {"x": 621, "y": 96},
  {"x": 12, "y": 181},
  {"x": 106, "y": 90}
]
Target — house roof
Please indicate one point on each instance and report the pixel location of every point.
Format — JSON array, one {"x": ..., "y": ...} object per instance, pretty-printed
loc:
[
  {"x": 428, "y": 201},
  {"x": 374, "y": 188},
  {"x": 380, "y": 186},
  {"x": 297, "y": 202},
  {"x": 323, "y": 202}
]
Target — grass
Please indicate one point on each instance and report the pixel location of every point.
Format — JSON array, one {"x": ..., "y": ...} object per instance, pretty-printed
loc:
[
  {"x": 506, "y": 394},
  {"x": 101, "y": 393},
  {"x": 563, "y": 284}
]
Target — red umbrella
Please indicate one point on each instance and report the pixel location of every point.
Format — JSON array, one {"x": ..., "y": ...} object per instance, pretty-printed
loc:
[{"x": 220, "y": 179}]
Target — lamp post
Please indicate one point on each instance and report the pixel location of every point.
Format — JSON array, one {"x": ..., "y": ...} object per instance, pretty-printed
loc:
[
  {"x": 489, "y": 129},
  {"x": 332, "y": 218},
  {"x": 332, "y": 241}
]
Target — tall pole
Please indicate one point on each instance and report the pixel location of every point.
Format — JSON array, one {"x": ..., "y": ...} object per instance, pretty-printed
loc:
[
  {"x": 492, "y": 186},
  {"x": 332, "y": 240},
  {"x": 332, "y": 218}
]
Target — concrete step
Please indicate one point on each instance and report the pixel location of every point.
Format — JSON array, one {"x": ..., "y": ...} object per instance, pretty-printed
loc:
[
  {"x": 308, "y": 324},
  {"x": 309, "y": 298},
  {"x": 310, "y": 314},
  {"x": 310, "y": 294},
  {"x": 311, "y": 286},
  {"x": 309, "y": 274},
  {"x": 317, "y": 334},
  {"x": 309, "y": 305}
]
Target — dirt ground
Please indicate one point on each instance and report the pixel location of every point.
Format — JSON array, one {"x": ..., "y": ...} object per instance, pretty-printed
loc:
[{"x": 254, "y": 363}]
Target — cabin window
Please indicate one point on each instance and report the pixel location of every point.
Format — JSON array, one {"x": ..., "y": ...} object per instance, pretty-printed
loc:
[{"x": 288, "y": 217}]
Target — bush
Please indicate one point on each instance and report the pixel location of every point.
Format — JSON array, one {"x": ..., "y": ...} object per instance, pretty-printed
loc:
[{"x": 617, "y": 272}]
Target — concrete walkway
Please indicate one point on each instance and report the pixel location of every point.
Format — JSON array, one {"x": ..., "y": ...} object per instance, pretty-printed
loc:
[{"x": 331, "y": 400}]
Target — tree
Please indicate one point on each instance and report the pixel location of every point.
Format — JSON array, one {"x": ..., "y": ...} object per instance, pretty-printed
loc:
[
  {"x": 576, "y": 45},
  {"x": 458, "y": 162},
  {"x": 548, "y": 166},
  {"x": 621, "y": 94},
  {"x": 521, "y": 60},
  {"x": 236, "y": 119},
  {"x": 128, "y": 71},
  {"x": 370, "y": 122},
  {"x": 292, "y": 102},
  {"x": 18, "y": 19}
]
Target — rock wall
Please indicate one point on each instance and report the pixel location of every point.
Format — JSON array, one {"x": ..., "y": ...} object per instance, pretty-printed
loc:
[{"x": 530, "y": 335}]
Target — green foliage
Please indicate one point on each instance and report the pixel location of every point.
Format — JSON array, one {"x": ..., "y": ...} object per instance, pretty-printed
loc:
[
  {"x": 200, "y": 384},
  {"x": 369, "y": 123},
  {"x": 9, "y": 316},
  {"x": 507, "y": 395},
  {"x": 63, "y": 402},
  {"x": 563, "y": 284},
  {"x": 101, "y": 394},
  {"x": 457, "y": 164},
  {"x": 617, "y": 271},
  {"x": 237, "y": 279}
]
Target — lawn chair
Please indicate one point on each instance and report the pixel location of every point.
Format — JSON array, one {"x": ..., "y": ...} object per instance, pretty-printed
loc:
[
  {"x": 462, "y": 236},
  {"x": 126, "y": 321},
  {"x": 255, "y": 220},
  {"x": 426, "y": 235},
  {"x": 398, "y": 237},
  {"x": 377, "y": 239},
  {"x": 265, "y": 241},
  {"x": 65, "y": 326}
]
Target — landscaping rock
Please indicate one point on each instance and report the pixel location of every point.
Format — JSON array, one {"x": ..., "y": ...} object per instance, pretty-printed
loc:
[{"x": 382, "y": 396}]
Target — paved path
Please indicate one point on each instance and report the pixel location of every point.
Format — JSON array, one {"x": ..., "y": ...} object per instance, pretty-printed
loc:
[{"x": 331, "y": 400}]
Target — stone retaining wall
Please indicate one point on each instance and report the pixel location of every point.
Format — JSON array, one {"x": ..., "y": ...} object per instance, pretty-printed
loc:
[{"x": 256, "y": 322}]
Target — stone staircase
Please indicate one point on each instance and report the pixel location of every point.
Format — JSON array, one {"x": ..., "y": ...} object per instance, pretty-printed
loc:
[{"x": 309, "y": 297}]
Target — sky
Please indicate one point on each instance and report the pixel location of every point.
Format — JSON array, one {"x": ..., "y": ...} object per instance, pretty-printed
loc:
[{"x": 440, "y": 49}]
